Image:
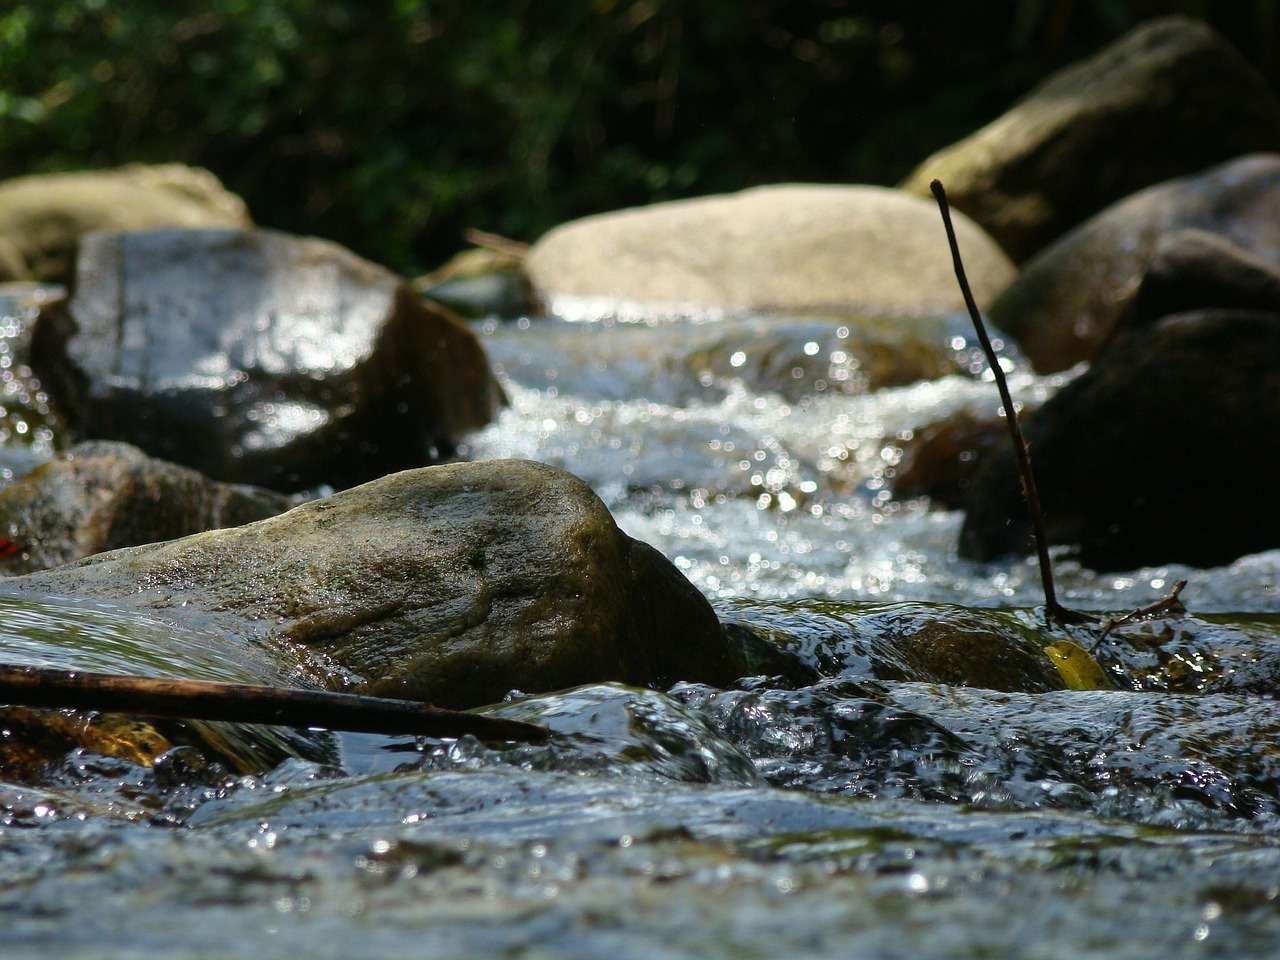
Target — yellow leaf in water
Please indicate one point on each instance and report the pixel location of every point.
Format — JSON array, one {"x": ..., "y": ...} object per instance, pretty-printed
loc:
[{"x": 1079, "y": 671}]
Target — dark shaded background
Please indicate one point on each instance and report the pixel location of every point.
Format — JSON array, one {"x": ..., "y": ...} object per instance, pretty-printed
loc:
[{"x": 393, "y": 125}]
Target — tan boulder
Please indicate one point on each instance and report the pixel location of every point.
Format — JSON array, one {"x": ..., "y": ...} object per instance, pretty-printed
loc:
[
  {"x": 790, "y": 248},
  {"x": 1169, "y": 99},
  {"x": 43, "y": 216}
]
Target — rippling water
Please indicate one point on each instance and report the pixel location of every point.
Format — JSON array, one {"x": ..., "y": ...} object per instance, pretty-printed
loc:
[
  {"x": 756, "y": 496},
  {"x": 835, "y": 814}
]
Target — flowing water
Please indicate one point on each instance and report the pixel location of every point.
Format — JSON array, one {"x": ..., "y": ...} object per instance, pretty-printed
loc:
[{"x": 827, "y": 811}]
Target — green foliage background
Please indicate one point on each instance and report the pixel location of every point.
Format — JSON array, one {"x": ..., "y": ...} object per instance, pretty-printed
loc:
[{"x": 392, "y": 125}]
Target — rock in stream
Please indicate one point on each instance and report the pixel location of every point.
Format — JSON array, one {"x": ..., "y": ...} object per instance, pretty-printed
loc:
[
  {"x": 452, "y": 584},
  {"x": 259, "y": 357}
]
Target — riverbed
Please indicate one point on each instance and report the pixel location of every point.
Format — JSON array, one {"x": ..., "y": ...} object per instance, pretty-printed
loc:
[{"x": 836, "y": 817}]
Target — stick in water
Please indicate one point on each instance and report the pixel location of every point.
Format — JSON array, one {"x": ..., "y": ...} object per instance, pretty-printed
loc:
[
  {"x": 1053, "y": 610},
  {"x": 245, "y": 703}
]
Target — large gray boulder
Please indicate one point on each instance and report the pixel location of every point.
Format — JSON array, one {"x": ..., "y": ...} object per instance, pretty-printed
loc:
[
  {"x": 453, "y": 584},
  {"x": 1169, "y": 99},
  {"x": 44, "y": 215},
  {"x": 1062, "y": 309},
  {"x": 789, "y": 248},
  {"x": 102, "y": 495},
  {"x": 259, "y": 357}
]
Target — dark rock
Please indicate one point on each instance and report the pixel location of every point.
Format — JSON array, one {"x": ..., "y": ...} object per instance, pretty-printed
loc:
[
  {"x": 914, "y": 642},
  {"x": 1166, "y": 450},
  {"x": 939, "y": 460},
  {"x": 43, "y": 216},
  {"x": 788, "y": 248},
  {"x": 1062, "y": 308},
  {"x": 1196, "y": 270},
  {"x": 259, "y": 357},
  {"x": 453, "y": 584},
  {"x": 1169, "y": 99},
  {"x": 103, "y": 495}
]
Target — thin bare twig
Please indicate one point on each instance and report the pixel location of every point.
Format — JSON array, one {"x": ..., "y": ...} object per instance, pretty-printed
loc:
[
  {"x": 245, "y": 703},
  {"x": 1170, "y": 605},
  {"x": 1053, "y": 609}
]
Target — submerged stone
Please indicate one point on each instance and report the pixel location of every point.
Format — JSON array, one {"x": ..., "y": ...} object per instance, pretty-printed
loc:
[
  {"x": 451, "y": 584},
  {"x": 258, "y": 357},
  {"x": 938, "y": 643}
]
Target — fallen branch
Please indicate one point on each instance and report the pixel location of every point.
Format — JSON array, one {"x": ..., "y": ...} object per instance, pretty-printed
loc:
[
  {"x": 245, "y": 703},
  {"x": 1170, "y": 605},
  {"x": 1053, "y": 609}
]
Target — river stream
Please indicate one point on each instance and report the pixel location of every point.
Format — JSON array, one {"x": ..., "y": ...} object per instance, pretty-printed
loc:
[{"x": 832, "y": 817}]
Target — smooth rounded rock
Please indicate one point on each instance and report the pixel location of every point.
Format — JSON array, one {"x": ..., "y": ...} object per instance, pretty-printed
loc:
[
  {"x": 453, "y": 584},
  {"x": 940, "y": 458},
  {"x": 1169, "y": 99},
  {"x": 259, "y": 357},
  {"x": 1062, "y": 308},
  {"x": 1195, "y": 270},
  {"x": 900, "y": 642},
  {"x": 44, "y": 215},
  {"x": 103, "y": 495},
  {"x": 1164, "y": 451},
  {"x": 788, "y": 248}
]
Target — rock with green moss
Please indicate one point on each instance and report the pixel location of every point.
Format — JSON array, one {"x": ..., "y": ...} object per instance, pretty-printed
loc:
[
  {"x": 453, "y": 584},
  {"x": 804, "y": 640},
  {"x": 1169, "y": 99}
]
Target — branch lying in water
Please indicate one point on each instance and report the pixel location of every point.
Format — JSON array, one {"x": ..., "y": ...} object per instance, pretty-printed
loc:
[{"x": 245, "y": 703}]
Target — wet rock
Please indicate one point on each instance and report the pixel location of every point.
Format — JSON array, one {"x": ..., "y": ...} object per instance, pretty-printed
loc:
[
  {"x": 801, "y": 358},
  {"x": 44, "y": 215},
  {"x": 678, "y": 364},
  {"x": 792, "y": 248},
  {"x": 1169, "y": 99},
  {"x": 939, "y": 459},
  {"x": 102, "y": 495},
  {"x": 453, "y": 584},
  {"x": 1062, "y": 308},
  {"x": 1120, "y": 452},
  {"x": 1195, "y": 270},
  {"x": 938, "y": 643},
  {"x": 480, "y": 282},
  {"x": 259, "y": 357}
]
